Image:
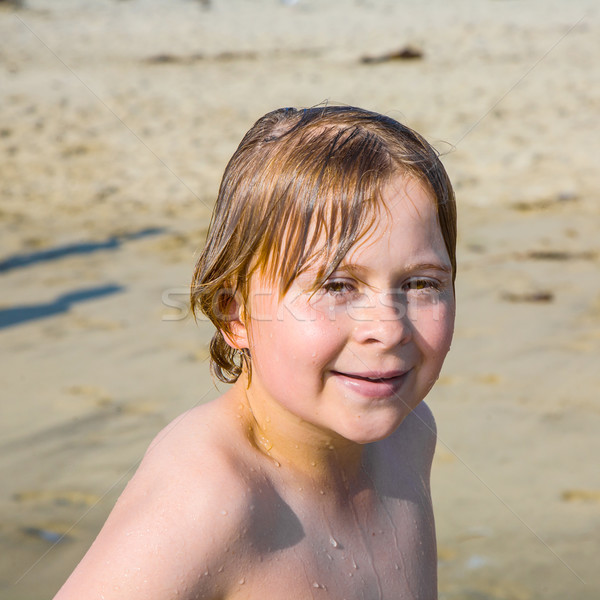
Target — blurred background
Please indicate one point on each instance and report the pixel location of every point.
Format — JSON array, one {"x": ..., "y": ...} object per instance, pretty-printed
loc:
[{"x": 117, "y": 119}]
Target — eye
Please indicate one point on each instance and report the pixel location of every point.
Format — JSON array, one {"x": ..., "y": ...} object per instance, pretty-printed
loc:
[
  {"x": 422, "y": 284},
  {"x": 337, "y": 287}
]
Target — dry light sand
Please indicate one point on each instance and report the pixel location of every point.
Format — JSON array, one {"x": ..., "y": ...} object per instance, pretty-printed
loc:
[{"x": 116, "y": 121}]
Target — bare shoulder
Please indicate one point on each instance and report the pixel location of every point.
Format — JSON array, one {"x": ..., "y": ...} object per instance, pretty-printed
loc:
[
  {"x": 173, "y": 528},
  {"x": 417, "y": 436},
  {"x": 404, "y": 459}
]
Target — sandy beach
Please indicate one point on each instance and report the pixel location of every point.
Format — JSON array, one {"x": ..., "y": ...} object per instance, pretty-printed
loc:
[{"x": 116, "y": 121}]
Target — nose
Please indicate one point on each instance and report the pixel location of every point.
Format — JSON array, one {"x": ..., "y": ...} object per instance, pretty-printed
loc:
[{"x": 382, "y": 319}]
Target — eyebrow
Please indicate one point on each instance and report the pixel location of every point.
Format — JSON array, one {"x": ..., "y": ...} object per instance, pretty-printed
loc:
[{"x": 445, "y": 268}]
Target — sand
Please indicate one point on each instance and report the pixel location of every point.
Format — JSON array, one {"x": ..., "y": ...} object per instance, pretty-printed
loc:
[{"x": 117, "y": 119}]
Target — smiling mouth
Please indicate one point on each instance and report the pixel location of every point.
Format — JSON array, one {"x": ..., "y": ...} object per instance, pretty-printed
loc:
[
  {"x": 373, "y": 385},
  {"x": 373, "y": 377}
]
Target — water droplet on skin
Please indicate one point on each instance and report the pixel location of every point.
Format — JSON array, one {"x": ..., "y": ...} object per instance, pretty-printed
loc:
[
  {"x": 277, "y": 463},
  {"x": 321, "y": 492},
  {"x": 223, "y": 512},
  {"x": 220, "y": 569},
  {"x": 242, "y": 581},
  {"x": 313, "y": 463},
  {"x": 333, "y": 542},
  {"x": 264, "y": 441}
]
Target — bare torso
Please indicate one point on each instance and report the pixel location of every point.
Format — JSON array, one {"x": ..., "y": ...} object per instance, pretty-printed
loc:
[
  {"x": 208, "y": 516},
  {"x": 374, "y": 547},
  {"x": 372, "y": 539}
]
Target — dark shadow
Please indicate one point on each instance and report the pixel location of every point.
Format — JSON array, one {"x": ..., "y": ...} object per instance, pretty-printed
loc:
[
  {"x": 274, "y": 525},
  {"x": 22, "y": 314},
  {"x": 24, "y": 260}
]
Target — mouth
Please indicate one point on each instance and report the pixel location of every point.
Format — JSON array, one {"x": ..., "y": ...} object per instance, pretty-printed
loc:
[
  {"x": 373, "y": 384},
  {"x": 372, "y": 376}
]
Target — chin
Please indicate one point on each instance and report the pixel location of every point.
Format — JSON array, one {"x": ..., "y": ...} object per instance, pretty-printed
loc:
[{"x": 374, "y": 432}]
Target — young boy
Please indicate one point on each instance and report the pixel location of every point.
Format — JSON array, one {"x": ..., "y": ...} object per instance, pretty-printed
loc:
[{"x": 329, "y": 274}]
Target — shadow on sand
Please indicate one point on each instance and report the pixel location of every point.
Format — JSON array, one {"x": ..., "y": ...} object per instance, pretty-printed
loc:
[
  {"x": 22, "y": 314},
  {"x": 24, "y": 260}
]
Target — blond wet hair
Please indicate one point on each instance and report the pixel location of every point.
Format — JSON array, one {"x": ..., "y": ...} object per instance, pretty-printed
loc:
[{"x": 302, "y": 188}]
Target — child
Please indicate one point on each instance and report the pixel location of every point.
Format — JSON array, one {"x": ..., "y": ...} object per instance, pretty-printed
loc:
[{"x": 329, "y": 274}]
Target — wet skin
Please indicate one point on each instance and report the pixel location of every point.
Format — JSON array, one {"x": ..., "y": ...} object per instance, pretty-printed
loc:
[
  {"x": 364, "y": 349},
  {"x": 311, "y": 479}
]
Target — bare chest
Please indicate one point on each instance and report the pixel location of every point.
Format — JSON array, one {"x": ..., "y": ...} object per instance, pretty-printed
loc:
[{"x": 387, "y": 553}]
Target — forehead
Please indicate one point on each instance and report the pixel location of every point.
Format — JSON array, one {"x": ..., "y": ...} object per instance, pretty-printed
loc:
[
  {"x": 407, "y": 214},
  {"x": 411, "y": 196}
]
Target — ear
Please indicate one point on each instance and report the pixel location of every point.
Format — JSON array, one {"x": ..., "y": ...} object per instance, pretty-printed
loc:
[{"x": 234, "y": 313}]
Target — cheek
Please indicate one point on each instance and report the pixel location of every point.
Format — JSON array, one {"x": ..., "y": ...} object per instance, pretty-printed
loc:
[
  {"x": 444, "y": 339},
  {"x": 323, "y": 338},
  {"x": 435, "y": 328},
  {"x": 293, "y": 335},
  {"x": 311, "y": 341}
]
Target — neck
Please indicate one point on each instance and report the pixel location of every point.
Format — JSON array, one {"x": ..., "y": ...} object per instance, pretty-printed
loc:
[{"x": 329, "y": 461}]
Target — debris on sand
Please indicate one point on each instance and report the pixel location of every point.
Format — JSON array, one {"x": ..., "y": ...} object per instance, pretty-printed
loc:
[
  {"x": 540, "y": 297},
  {"x": 558, "y": 255},
  {"x": 405, "y": 53},
  {"x": 227, "y": 56},
  {"x": 581, "y": 496}
]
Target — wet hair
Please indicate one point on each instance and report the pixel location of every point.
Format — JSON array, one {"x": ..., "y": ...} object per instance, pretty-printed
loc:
[{"x": 302, "y": 188}]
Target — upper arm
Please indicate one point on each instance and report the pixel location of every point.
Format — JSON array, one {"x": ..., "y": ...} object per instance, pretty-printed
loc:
[{"x": 168, "y": 535}]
